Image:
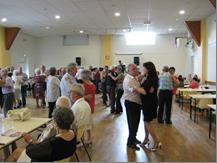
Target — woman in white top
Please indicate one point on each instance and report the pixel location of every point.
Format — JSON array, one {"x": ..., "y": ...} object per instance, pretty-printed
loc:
[
  {"x": 17, "y": 87},
  {"x": 53, "y": 90}
]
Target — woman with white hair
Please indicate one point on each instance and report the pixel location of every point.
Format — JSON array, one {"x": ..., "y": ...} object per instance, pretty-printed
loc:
[
  {"x": 89, "y": 87},
  {"x": 17, "y": 87},
  {"x": 39, "y": 87}
]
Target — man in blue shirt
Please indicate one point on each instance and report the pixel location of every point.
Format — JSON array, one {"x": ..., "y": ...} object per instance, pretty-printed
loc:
[{"x": 165, "y": 95}]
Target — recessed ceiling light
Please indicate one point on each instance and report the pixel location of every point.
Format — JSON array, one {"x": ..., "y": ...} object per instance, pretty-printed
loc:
[
  {"x": 47, "y": 27},
  {"x": 4, "y": 19},
  {"x": 81, "y": 31},
  {"x": 124, "y": 30},
  {"x": 181, "y": 12},
  {"x": 57, "y": 16},
  {"x": 117, "y": 14},
  {"x": 170, "y": 29}
]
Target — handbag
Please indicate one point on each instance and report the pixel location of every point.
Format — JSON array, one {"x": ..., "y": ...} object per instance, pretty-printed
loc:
[{"x": 19, "y": 114}]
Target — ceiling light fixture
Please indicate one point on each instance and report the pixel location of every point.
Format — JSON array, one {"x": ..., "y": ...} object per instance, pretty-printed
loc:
[
  {"x": 182, "y": 12},
  {"x": 170, "y": 29},
  {"x": 117, "y": 14},
  {"x": 47, "y": 27},
  {"x": 57, "y": 17},
  {"x": 81, "y": 31},
  {"x": 3, "y": 19},
  {"x": 124, "y": 30}
]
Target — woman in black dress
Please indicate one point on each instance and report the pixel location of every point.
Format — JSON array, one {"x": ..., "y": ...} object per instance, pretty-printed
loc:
[{"x": 148, "y": 91}]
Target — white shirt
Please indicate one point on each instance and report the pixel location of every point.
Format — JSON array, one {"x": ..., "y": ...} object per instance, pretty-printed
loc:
[
  {"x": 53, "y": 88},
  {"x": 17, "y": 81},
  {"x": 66, "y": 84},
  {"x": 82, "y": 113},
  {"x": 129, "y": 84}
]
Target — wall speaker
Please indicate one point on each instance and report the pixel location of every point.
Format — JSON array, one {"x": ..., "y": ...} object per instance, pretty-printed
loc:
[
  {"x": 78, "y": 61},
  {"x": 136, "y": 60}
]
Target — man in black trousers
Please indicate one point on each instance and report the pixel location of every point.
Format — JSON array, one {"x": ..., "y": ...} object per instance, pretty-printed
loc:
[
  {"x": 132, "y": 104},
  {"x": 165, "y": 96}
]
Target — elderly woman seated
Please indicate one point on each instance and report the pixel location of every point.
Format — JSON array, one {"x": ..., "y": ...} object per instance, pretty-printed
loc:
[{"x": 53, "y": 148}]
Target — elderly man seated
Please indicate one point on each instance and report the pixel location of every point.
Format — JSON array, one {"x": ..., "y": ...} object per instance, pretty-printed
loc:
[{"x": 82, "y": 111}]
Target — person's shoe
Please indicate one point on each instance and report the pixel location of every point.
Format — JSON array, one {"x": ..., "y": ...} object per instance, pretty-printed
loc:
[
  {"x": 133, "y": 146},
  {"x": 137, "y": 141},
  {"x": 169, "y": 122},
  {"x": 161, "y": 122},
  {"x": 145, "y": 142},
  {"x": 112, "y": 111},
  {"x": 159, "y": 145}
]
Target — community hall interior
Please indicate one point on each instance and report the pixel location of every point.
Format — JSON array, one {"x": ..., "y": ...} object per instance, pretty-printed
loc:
[{"x": 108, "y": 80}]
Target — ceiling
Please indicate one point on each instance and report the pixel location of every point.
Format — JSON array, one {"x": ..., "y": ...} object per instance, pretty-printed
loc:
[{"x": 97, "y": 16}]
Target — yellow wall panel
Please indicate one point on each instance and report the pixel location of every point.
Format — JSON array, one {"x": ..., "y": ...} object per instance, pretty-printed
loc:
[{"x": 4, "y": 54}]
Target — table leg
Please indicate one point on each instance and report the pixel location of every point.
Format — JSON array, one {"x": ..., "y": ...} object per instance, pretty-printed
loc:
[
  {"x": 190, "y": 108},
  {"x": 210, "y": 122},
  {"x": 182, "y": 101},
  {"x": 179, "y": 99},
  {"x": 195, "y": 110}
]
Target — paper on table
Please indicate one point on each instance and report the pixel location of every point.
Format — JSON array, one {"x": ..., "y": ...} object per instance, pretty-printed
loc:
[{"x": 11, "y": 133}]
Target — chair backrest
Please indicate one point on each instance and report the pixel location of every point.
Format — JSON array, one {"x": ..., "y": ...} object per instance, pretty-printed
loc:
[
  {"x": 80, "y": 132},
  {"x": 202, "y": 103}
]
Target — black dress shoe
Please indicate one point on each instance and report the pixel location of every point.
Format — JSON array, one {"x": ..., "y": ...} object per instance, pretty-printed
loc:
[
  {"x": 133, "y": 146},
  {"x": 137, "y": 141},
  {"x": 161, "y": 122},
  {"x": 169, "y": 122}
]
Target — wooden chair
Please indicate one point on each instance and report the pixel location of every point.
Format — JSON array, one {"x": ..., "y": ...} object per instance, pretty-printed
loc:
[
  {"x": 80, "y": 134},
  {"x": 201, "y": 105}
]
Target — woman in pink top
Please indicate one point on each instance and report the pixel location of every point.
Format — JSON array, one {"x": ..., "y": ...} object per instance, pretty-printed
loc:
[{"x": 194, "y": 83}]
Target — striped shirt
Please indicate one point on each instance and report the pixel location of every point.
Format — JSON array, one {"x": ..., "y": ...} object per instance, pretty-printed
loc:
[{"x": 165, "y": 82}]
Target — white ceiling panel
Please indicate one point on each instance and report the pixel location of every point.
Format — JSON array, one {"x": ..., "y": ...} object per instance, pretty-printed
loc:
[{"x": 97, "y": 16}]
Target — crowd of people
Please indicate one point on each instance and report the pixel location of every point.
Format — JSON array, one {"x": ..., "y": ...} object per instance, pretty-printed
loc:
[{"x": 149, "y": 91}]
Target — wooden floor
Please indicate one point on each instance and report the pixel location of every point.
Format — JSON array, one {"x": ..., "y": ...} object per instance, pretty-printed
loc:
[{"x": 183, "y": 141}]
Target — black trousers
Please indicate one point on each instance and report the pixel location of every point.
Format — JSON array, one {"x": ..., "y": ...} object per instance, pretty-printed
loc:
[
  {"x": 1, "y": 98},
  {"x": 51, "y": 106},
  {"x": 118, "y": 100},
  {"x": 8, "y": 102},
  {"x": 112, "y": 97},
  {"x": 104, "y": 93},
  {"x": 165, "y": 101},
  {"x": 23, "y": 93},
  {"x": 133, "y": 111}
]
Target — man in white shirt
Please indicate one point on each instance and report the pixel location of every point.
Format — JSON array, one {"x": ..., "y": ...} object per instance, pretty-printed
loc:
[
  {"x": 132, "y": 104},
  {"x": 68, "y": 79},
  {"x": 81, "y": 110},
  {"x": 53, "y": 90}
]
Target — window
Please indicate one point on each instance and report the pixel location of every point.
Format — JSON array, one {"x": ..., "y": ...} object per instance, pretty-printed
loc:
[{"x": 140, "y": 38}]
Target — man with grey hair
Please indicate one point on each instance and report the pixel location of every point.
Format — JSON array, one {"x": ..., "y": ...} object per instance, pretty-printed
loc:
[
  {"x": 68, "y": 79},
  {"x": 132, "y": 104},
  {"x": 81, "y": 110},
  {"x": 165, "y": 95}
]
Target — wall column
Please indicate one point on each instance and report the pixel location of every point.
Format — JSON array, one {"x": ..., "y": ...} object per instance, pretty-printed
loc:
[
  {"x": 204, "y": 49},
  {"x": 5, "y": 59},
  {"x": 107, "y": 50}
]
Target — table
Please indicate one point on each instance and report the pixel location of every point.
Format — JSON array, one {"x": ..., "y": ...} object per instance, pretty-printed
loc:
[
  {"x": 190, "y": 90},
  {"x": 20, "y": 126},
  {"x": 211, "y": 108},
  {"x": 199, "y": 96}
]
